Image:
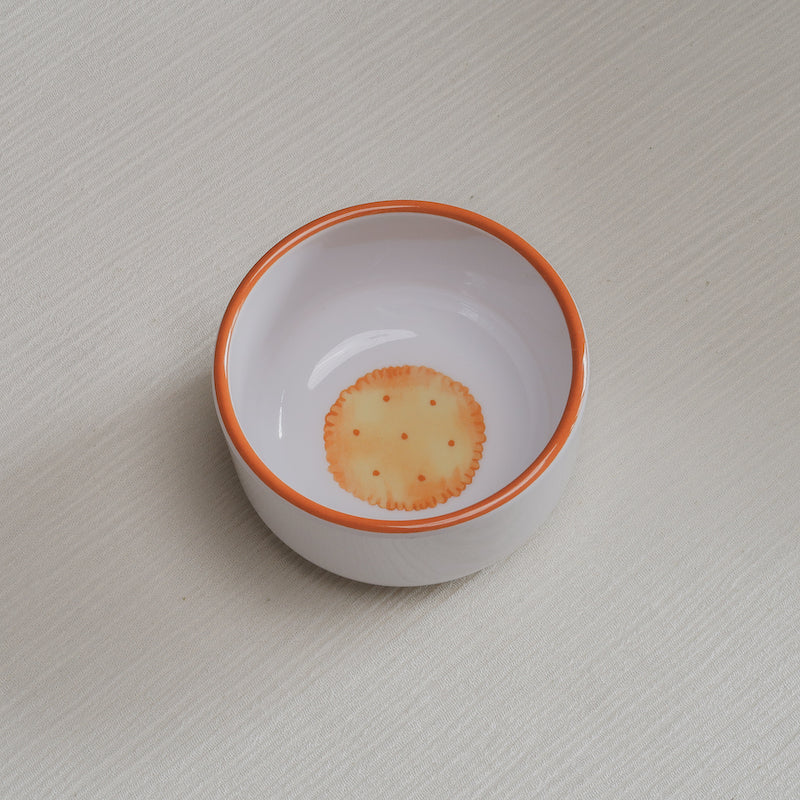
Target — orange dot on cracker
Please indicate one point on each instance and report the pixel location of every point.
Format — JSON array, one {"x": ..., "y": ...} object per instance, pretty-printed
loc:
[{"x": 412, "y": 453}]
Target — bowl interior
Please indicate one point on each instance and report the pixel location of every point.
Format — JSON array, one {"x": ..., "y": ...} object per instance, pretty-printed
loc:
[{"x": 393, "y": 289}]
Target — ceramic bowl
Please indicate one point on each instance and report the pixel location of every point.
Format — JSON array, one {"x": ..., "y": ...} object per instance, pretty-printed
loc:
[{"x": 401, "y": 386}]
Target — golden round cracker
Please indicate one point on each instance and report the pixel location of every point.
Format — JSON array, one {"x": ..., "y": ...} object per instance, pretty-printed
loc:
[{"x": 404, "y": 438}]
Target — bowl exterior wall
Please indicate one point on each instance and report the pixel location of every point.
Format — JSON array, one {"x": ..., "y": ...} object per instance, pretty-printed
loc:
[{"x": 412, "y": 559}]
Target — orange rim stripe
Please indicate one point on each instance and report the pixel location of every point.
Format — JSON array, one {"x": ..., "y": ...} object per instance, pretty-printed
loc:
[{"x": 519, "y": 484}]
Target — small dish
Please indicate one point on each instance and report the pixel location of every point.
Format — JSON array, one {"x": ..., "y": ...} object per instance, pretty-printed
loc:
[{"x": 401, "y": 386}]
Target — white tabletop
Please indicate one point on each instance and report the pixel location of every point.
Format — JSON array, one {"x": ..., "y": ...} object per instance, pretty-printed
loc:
[{"x": 157, "y": 641}]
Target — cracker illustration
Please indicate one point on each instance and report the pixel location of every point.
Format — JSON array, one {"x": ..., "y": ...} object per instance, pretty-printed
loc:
[{"x": 404, "y": 438}]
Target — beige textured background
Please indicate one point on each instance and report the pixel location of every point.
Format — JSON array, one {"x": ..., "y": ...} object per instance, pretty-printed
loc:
[{"x": 157, "y": 641}]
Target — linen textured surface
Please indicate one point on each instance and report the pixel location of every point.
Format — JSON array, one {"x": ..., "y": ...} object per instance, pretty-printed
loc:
[{"x": 157, "y": 641}]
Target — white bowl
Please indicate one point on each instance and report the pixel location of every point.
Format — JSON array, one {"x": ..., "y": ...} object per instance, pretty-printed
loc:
[{"x": 397, "y": 284}]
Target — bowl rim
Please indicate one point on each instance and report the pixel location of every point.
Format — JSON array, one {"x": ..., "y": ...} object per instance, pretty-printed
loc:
[{"x": 526, "y": 478}]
